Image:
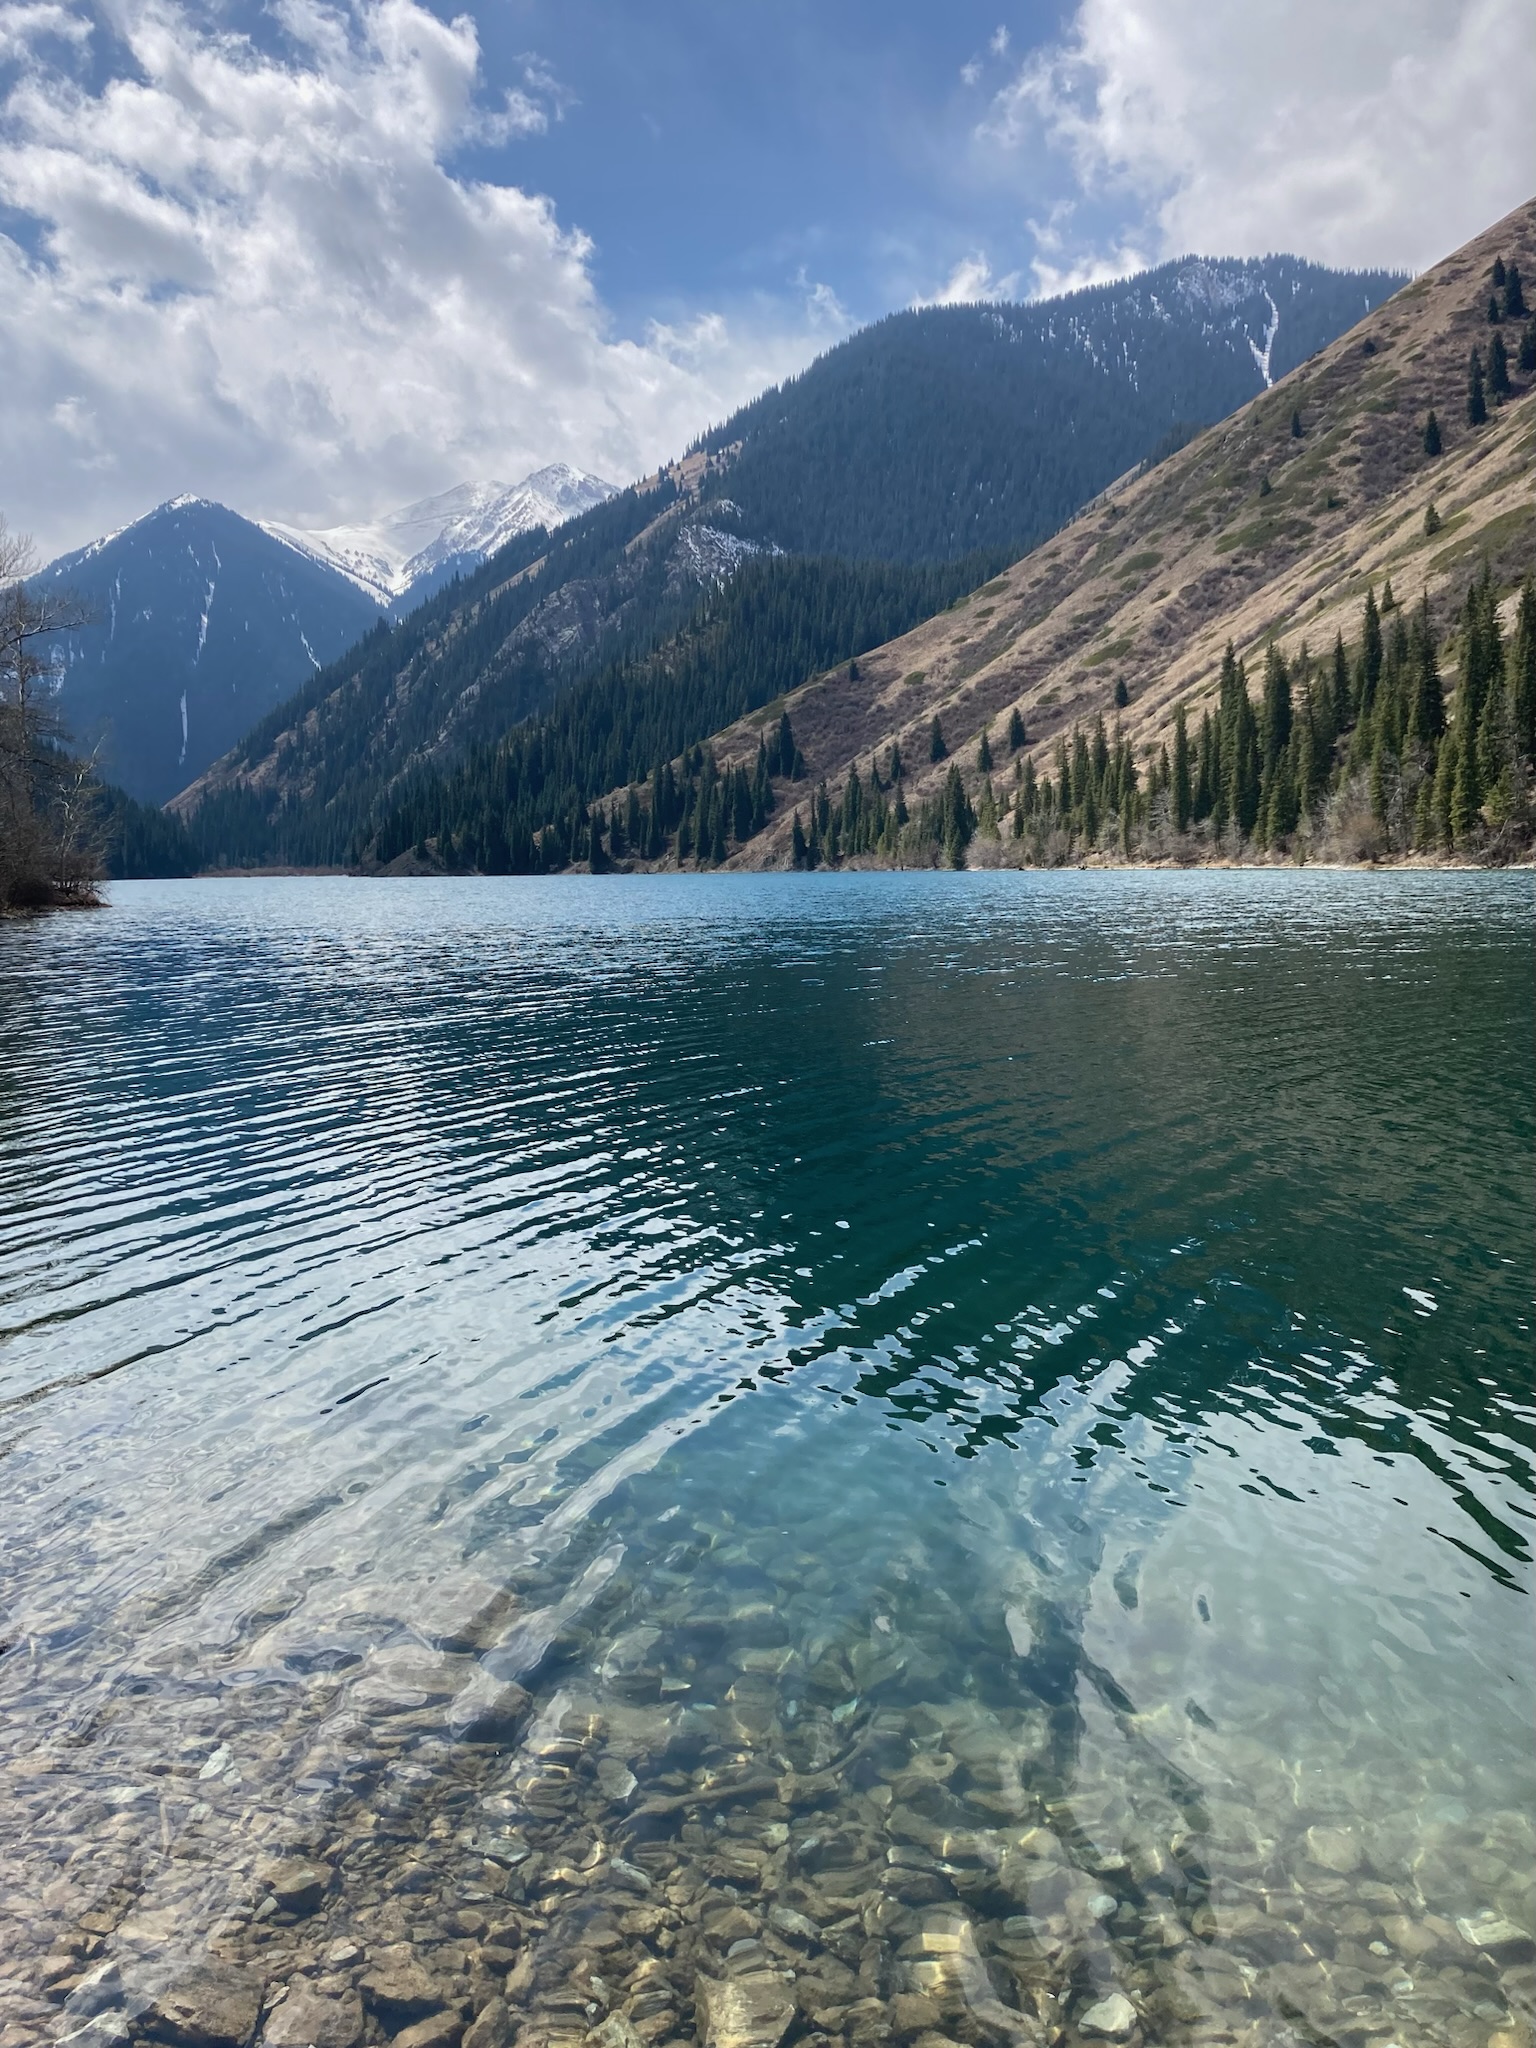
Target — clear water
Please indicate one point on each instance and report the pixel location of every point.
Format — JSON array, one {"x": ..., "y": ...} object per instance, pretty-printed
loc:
[{"x": 993, "y": 1414}]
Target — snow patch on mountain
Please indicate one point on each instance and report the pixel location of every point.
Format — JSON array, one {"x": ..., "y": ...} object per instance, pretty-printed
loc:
[
  {"x": 1261, "y": 356},
  {"x": 388, "y": 557},
  {"x": 708, "y": 554}
]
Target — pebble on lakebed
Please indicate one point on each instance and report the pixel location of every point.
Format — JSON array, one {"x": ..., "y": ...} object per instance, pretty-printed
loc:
[{"x": 732, "y": 1824}]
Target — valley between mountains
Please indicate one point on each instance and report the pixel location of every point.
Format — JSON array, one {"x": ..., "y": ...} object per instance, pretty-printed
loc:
[
  {"x": 1187, "y": 568},
  {"x": 1309, "y": 633}
]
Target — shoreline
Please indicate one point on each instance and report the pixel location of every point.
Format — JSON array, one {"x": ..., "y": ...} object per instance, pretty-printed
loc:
[{"x": 1093, "y": 864}]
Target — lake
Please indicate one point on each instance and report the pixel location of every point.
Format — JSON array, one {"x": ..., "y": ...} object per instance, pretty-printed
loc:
[{"x": 845, "y": 1458}]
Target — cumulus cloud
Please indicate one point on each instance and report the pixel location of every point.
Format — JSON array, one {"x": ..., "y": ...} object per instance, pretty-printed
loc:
[
  {"x": 259, "y": 276},
  {"x": 1356, "y": 134},
  {"x": 971, "y": 280}
]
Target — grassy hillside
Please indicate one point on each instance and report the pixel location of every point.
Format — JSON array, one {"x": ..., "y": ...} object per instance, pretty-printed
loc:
[{"x": 1268, "y": 529}]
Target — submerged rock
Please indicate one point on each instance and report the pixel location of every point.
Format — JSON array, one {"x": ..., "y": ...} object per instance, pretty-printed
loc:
[
  {"x": 210, "y": 2005},
  {"x": 1491, "y": 1930},
  {"x": 307, "y": 2018},
  {"x": 1114, "y": 2017},
  {"x": 398, "y": 1988},
  {"x": 1335, "y": 1849},
  {"x": 297, "y": 1887},
  {"x": 944, "y": 1965},
  {"x": 753, "y": 2010}
]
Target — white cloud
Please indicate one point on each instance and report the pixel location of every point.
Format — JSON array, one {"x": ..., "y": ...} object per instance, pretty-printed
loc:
[
  {"x": 999, "y": 42},
  {"x": 970, "y": 280},
  {"x": 1060, "y": 265},
  {"x": 260, "y": 278},
  {"x": 1356, "y": 134}
]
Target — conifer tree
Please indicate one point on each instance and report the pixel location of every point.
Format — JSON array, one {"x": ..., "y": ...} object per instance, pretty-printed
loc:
[
  {"x": 1339, "y": 695},
  {"x": 1297, "y": 430},
  {"x": 1477, "y": 404},
  {"x": 1122, "y": 694},
  {"x": 1522, "y": 676},
  {"x": 1425, "y": 722},
  {"x": 1467, "y": 789},
  {"x": 1497, "y": 768},
  {"x": 1424, "y": 815},
  {"x": 1371, "y": 652},
  {"x": 957, "y": 819},
  {"x": 1379, "y": 782},
  {"x": 1205, "y": 769},
  {"x": 1482, "y": 650},
  {"x": 1028, "y": 793},
  {"x": 1432, "y": 442},
  {"x": 1514, "y": 295},
  {"x": 1283, "y": 809},
  {"x": 1015, "y": 730},
  {"x": 937, "y": 750},
  {"x": 798, "y": 851},
  {"x": 1498, "y": 273},
  {"x": 1494, "y": 315},
  {"x": 1183, "y": 793},
  {"x": 1082, "y": 771},
  {"x": 1445, "y": 788},
  {"x": 1498, "y": 369},
  {"x": 762, "y": 789},
  {"x": 1275, "y": 731},
  {"x": 1243, "y": 770},
  {"x": 1527, "y": 357},
  {"x": 1431, "y": 520},
  {"x": 1306, "y": 771},
  {"x": 984, "y": 754}
]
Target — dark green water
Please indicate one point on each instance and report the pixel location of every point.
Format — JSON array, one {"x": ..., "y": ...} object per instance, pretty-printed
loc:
[{"x": 987, "y": 1412}]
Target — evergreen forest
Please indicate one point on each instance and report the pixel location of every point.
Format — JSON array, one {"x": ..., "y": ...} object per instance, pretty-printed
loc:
[
  {"x": 1355, "y": 749},
  {"x": 523, "y": 805},
  {"x": 937, "y": 432},
  {"x": 1356, "y": 745}
]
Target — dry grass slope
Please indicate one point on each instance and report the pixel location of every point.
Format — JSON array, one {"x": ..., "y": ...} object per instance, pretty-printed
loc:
[{"x": 1248, "y": 534}]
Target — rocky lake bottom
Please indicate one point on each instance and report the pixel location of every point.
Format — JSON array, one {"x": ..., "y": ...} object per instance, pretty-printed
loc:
[{"x": 914, "y": 1460}]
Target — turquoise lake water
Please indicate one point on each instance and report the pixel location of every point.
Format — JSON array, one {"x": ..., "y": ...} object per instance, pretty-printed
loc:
[{"x": 987, "y": 1411}]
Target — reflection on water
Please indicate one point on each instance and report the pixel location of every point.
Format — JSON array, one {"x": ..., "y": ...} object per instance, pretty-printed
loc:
[{"x": 854, "y": 1459}]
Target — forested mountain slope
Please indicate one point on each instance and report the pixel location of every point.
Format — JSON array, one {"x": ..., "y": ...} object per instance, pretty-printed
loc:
[
  {"x": 199, "y": 624},
  {"x": 947, "y": 435},
  {"x": 1269, "y": 530},
  {"x": 934, "y": 433}
]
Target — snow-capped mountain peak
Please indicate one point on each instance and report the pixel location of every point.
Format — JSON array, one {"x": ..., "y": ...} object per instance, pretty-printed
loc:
[{"x": 406, "y": 553}]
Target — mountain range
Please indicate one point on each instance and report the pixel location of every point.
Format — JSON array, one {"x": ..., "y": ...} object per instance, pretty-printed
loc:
[
  {"x": 1267, "y": 535},
  {"x": 818, "y": 518},
  {"x": 201, "y": 621},
  {"x": 406, "y": 555}
]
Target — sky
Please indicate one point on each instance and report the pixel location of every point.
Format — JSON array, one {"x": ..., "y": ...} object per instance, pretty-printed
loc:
[{"x": 316, "y": 258}]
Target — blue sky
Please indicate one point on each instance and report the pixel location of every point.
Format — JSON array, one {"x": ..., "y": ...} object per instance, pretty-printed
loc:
[
  {"x": 319, "y": 257},
  {"x": 714, "y": 152}
]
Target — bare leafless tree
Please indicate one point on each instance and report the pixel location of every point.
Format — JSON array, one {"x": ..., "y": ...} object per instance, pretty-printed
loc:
[{"x": 47, "y": 849}]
